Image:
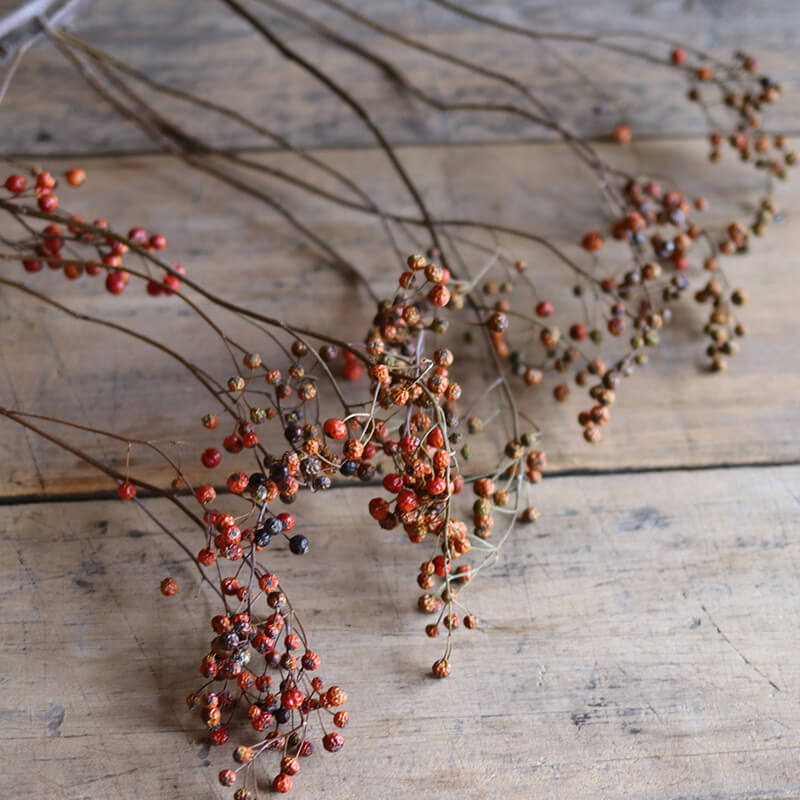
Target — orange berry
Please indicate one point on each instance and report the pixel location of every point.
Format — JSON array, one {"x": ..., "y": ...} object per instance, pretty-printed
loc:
[{"x": 75, "y": 176}]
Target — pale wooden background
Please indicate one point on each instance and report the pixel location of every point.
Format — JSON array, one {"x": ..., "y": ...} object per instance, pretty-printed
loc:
[{"x": 639, "y": 643}]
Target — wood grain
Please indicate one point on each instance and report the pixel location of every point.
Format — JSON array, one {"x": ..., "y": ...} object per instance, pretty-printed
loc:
[
  {"x": 671, "y": 414},
  {"x": 210, "y": 51},
  {"x": 638, "y": 642}
]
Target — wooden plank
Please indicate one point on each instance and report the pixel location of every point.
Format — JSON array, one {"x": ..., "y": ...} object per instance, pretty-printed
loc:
[
  {"x": 639, "y": 642},
  {"x": 669, "y": 414},
  {"x": 210, "y": 51}
]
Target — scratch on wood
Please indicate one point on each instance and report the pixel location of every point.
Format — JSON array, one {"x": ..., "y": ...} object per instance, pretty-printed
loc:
[{"x": 738, "y": 651}]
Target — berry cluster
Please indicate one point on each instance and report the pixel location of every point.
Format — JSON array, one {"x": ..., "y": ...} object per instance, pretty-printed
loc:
[
  {"x": 404, "y": 431},
  {"x": 659, "y": 228},
  {"x": 405, "y": 427},
  {"x": 261, "y": 666},
  {"x": 669, "y": 255},
  {"x": 744, "y": 91},
  {"x": 105, "y": 251},
  {"x": 419, "y": 431}
]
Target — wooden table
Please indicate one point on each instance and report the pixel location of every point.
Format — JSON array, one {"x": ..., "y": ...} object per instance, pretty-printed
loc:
[{"x": 639, "y": 642}]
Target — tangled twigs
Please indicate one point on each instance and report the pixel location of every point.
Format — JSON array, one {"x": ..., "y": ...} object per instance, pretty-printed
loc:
[
  {"x": 397, "y": 407},
  {"x": 259, "y": 639},
  {"x": 640, "y": 300},
  {"x": 402, "y": 374},
  {"x": 408, "y": 413}
]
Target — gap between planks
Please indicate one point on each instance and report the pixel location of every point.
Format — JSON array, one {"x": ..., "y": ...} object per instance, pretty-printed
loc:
[
  {"x": 580, "y": 472},
  {"x": 442, "y": 144}
]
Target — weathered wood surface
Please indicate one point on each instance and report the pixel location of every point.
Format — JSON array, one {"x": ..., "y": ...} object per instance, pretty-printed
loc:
[
  {"x": 671, "y": 414},
  {"x": 211, "y": 51},
  {"x": 639, "y": 642}
]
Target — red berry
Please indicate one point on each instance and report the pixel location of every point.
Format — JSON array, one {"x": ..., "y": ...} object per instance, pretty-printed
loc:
[
  {"x": 287, "y": 520},
  {"x": 48, "y": 203},
  {"x": 138, "y": 235},
  {"x": 232, "y": 443},
  {"x": 211, "y": 421},
  {"x": 158, "y": 242},
  {"x": 227, "y": 777},
  {"x": 592, "y": 241},
  {"x": 117, "y": 281},
  {"x": 169, "y": 587},
  {"x": 653, "y": 188},
  {"x": 335, "y": 429},
  {"x": 407, "y": 500},
  {"x": 117, "y": 248},
  {"x": 436, "y": 437},
  {"x": 237, "y": 482},
  {"x": 154, "y": 289},
  {"x": 544, "y": 309},
  {"x": 290, "y": 765},
  {"x": 250, "y": 439},
  {"x": 205, "y": 495},
  {"x": 75, "y": 176},
  {"x": 211, "y": 457},
  {"x": 209, "y": 669},
  {"x": 52, "y": 239},
  {"x": 219, "y": 736},
  {"x": 126, "y": 490},
  {"x": 369, "y": 451},
  {"x": 680, "y": 262},
  {"x": 72, "y": 271},
  {"x": 439, "y": 296},
  {"x": 172, "y": 284},
  {"x": 32, "y": 266},
  {"x": 436, "y": 486},
  {"x": 608, "y": 285},
  {"x": 333, "y": 742},
  {"x": 268, "y": 582},
  {"x": 282, "y": 783},
  {"x": 622, "y": 134},
  {"x": 409, "y": 444},
  {"x": 378, "y": 508},
  {"x": 678, "y": 56},
  {"x": 616, "y": 326},
  {"x": 441, "y": 566},
  {"x": 292, "y": 698},
  {"x": 704, "y": 74},
  {"x": 393, "y": 482},
  {"x": 310, "y": 660},
  {"x": 224, "y": 521},
  {"x": 16, "y": 184},
  {"x": 207, "y": 556},
  {"x": 44, "y": 182},
  {"x": 353, "y": 370},
  {"x": 578, "y": 332},
  {"x": 306, "y": 749}
]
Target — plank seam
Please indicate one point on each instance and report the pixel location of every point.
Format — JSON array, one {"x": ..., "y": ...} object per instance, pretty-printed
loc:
[
  {"x": 355, "y": 147},
  {"x": 577, "y": 472}
]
